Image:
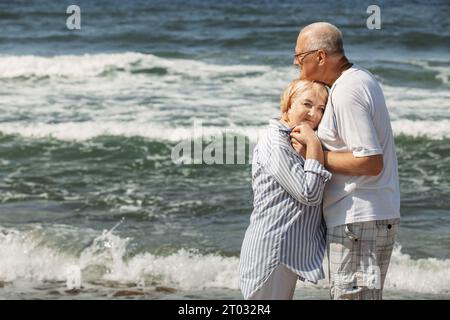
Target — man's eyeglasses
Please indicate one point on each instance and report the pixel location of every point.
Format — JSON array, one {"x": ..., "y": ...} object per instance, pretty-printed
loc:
[{"x": 303, "y": 55}]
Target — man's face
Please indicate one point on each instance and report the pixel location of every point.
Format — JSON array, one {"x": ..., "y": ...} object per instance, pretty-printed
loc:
[{"x": 307, "y": 61}]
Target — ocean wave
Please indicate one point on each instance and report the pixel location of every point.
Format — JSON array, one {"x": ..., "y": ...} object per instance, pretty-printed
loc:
[
  {"x": 88, "y": 65},
  {"x": 82, "y": 131},
  {"x": 431, "y": 129},
  {"x": 412, "y": 73},
  {"x": 442, "y": 68},
  {"x": 180, "y": 90},
  {"x": 186, "y": 269}
]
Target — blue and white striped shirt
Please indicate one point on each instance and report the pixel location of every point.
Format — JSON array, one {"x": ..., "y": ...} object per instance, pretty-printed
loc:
[{"x": 286, "y": 225}]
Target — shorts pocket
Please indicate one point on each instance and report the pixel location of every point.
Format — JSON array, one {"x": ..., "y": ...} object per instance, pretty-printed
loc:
[{"x": 386, "y": 232}]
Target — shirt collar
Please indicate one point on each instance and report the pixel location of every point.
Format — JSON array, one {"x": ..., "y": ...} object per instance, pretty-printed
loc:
[{"x": 277, "y": 124}]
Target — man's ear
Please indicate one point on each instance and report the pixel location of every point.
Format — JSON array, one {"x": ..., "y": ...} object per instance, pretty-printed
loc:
[{"x": 321, "y": 57}]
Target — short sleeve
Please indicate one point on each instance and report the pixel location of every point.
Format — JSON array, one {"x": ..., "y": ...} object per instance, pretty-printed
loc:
[{"x": 353, "y": 109}]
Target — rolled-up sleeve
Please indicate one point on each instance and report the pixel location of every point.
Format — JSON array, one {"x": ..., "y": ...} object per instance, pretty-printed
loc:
[{"x": 305, "y": 182}]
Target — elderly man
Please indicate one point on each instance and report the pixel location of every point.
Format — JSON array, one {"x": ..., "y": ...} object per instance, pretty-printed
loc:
[{"x": 361, "y": 203}]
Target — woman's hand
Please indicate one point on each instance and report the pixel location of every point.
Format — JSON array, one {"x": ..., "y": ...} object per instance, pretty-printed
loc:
[
  {"x": 304, "y": 135},
  {"x": 298, "y": 147}
]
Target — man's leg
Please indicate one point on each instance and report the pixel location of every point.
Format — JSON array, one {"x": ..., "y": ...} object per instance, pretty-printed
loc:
[{"x": 358, "y": 258}]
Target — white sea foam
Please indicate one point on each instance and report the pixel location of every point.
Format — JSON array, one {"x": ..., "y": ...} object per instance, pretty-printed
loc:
[
  {"x": 189, "y": 90},
  {"x": 430, "y": 129},
  {"x": 417, "y": 103},
  {"x": 94, "y": 64},
  {"x": 82, "y": 131},
  {"x": 24, "y": 259},
  {"x": 161, "y": 107},
  {"x": 21, "y": 257},
  {"x": 422, "y": 275}
]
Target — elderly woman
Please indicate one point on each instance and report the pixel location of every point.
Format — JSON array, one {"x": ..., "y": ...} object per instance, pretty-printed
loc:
[{"x": 286, "y": 237}]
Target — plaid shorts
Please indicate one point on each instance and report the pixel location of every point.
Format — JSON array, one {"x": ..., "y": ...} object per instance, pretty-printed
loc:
[{"x": 358, "y": 258}]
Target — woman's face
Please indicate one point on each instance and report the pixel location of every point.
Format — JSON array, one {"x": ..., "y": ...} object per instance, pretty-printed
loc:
[{"x": 308, "y": 109}]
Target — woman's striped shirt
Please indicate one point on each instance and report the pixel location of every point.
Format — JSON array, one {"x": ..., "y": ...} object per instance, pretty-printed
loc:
[{"x": 286, "y": 225}]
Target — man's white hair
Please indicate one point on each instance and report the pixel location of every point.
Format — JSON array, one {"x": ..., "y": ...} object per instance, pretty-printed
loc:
[{"x": 323, "y": 35}]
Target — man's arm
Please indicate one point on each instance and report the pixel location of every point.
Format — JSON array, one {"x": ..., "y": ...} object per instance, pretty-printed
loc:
[{"x": 346, "y": 163}]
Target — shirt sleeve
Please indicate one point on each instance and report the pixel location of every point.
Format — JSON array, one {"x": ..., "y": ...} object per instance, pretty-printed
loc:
[
  {"x": 354, "y": 121},
  {"x": 304, "y": 183}
]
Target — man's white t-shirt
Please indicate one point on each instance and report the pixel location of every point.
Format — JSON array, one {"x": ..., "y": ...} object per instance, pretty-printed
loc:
[{"x": 356, "y": 120}]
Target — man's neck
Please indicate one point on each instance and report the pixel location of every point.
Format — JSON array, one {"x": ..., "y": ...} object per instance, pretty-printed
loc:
[{"x": 341, "y": 65}]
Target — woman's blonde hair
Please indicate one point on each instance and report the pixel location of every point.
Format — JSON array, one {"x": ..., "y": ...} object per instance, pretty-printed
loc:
[{"x": 295, "y": 89}]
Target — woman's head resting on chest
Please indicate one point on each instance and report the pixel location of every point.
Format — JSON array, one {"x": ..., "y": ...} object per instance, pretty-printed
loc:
[{"x": 303, "y": 102}]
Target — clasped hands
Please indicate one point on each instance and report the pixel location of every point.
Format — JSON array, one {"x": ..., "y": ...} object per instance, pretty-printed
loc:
[{"x": 302, "y": 136}]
